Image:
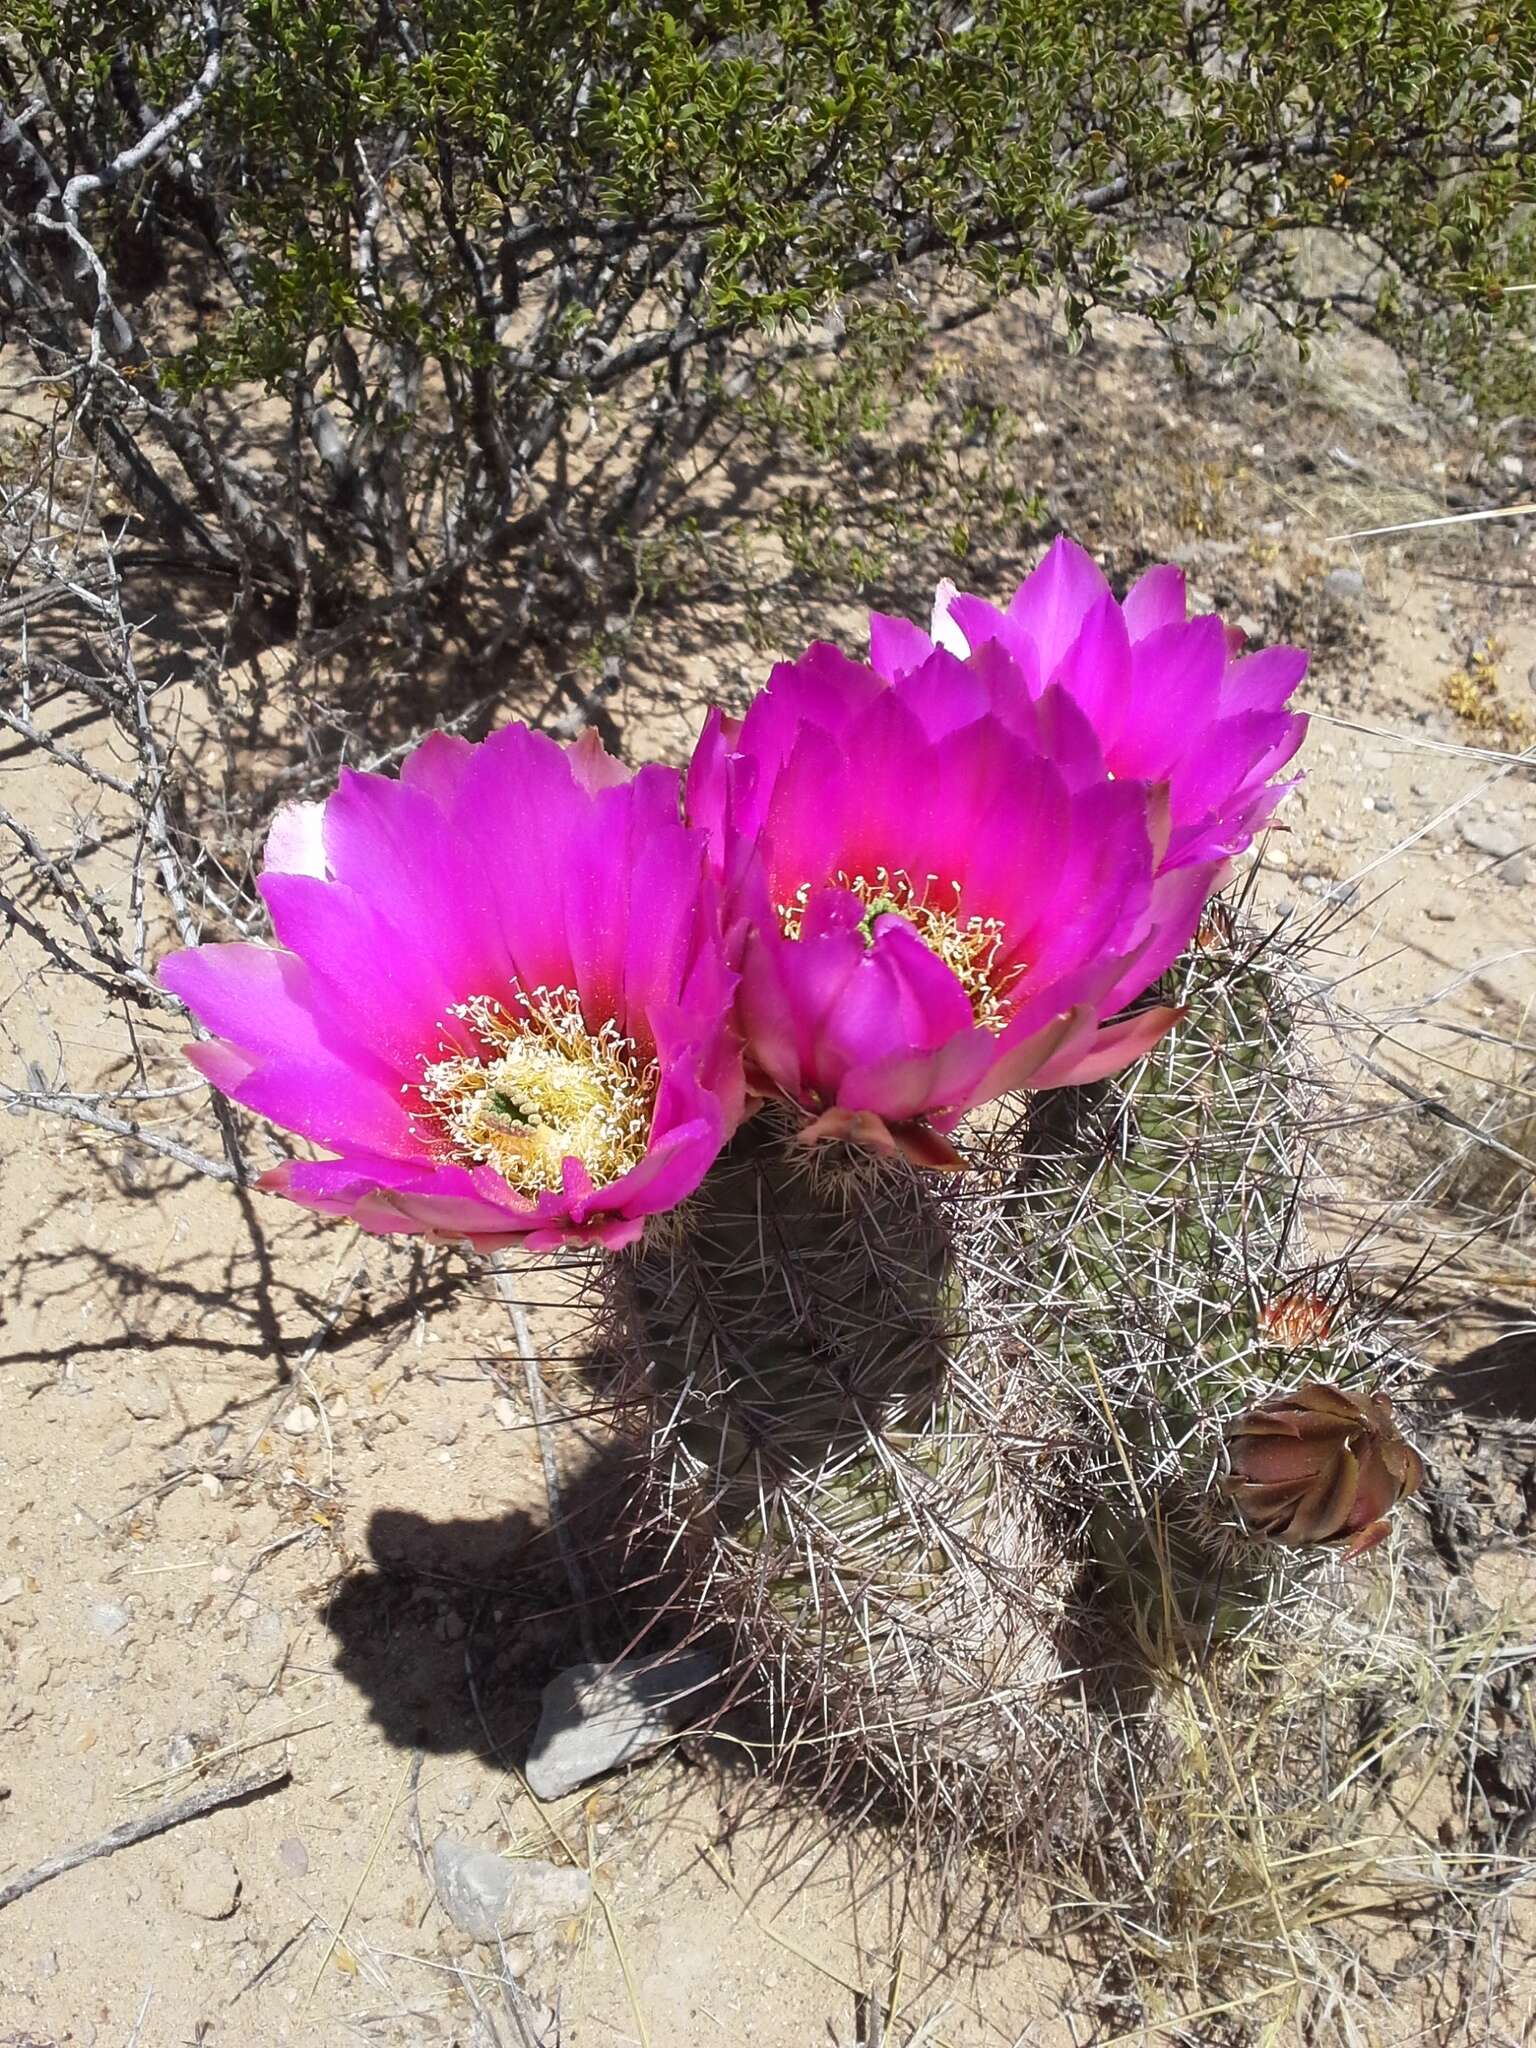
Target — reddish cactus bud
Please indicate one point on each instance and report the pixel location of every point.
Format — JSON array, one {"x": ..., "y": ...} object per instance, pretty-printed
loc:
[
  {"x": 1320, "y": 1466},
  {"x": 1296, "y": 1320}
]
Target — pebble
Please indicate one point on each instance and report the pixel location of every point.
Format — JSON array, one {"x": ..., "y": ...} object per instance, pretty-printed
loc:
[
  {"x": 106, "y": 1618},
  {"x": 207, "y": 1885},
  {"x": 11, "y": 1588},
  {"x": 1347, "y": 585},
  {"x": 596, "y": 1716},
  {"x": 487, "y": 1896},
  {"x": 1441, "y": 911},
  {"x": 33, "y": 1670},
  {"x": 504, "y": 1412},
  {"x": 293, "y": 1856},
  {"x": 266, "y": 1650},
  {"x": 1485, "y": 837},
  {"x": 300, "y": 1420},
  {"x": 1331, "y": 892},
  {"x": 145, "y": 1400}
]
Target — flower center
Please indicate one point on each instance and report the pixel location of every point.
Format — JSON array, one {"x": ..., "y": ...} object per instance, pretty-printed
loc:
[
  {"x": 545, "y": 1088},
  {"x": 968, "y": 946}
]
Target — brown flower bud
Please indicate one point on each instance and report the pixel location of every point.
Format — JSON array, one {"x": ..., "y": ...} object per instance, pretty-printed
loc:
[{"x": 1320, "y": 1466}]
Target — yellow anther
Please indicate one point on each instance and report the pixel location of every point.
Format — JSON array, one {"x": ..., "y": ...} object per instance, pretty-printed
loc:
[
  {"x": 545, "y": 1088},
  {"x": 968, "y": 946}
]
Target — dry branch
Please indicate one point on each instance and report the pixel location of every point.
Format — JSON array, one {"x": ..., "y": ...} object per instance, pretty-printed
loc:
[{"x": 147, "y": 1825}]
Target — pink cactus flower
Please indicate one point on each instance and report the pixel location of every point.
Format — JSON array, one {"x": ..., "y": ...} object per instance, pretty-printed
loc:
[
  {"x": 1173, "y": 701},
  {"x": 937, "y": 891},
  {"x": 501, "y": 999}
]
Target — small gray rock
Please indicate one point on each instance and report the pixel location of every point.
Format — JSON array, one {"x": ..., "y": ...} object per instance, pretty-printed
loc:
[
  {"x": 1515, "y": 872},
  {"x": 180, "y": 1751},
  {"x": 146, "y": 1400},
  {"x": 487, "y": 1896},
  {"x": 597, "y": 1716},
  {"x": 293, "y": 1856},
  {"x": 1483, "y": 836},
  {"x": 33, "y": 1669},
  {"x": 1345, "y": 585},
  {"x": 106, "y": 1618},
  {"x": 208, "y": 1885},
  {"x": 1441, "y": 911}
]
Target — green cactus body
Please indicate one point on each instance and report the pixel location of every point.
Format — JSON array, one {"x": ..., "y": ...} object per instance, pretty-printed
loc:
[{"x": 937, "y": 1448}]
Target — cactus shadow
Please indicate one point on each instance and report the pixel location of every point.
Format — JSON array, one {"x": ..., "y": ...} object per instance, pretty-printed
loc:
[
  {"x": 451, "y": 1628},
  {"x": 1496, "y": 1380}
]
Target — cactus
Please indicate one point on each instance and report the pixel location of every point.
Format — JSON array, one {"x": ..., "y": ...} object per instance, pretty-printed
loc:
[{"x": 942, "y": 1452}]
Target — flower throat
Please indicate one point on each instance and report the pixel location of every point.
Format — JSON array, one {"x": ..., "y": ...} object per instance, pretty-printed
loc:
[
  {"x": 544, "y": 1088},
  {"x": 968, "y": 946}
]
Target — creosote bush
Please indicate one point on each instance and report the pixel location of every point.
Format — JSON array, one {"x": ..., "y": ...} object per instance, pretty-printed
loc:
[{"x": 360, "y": 301}]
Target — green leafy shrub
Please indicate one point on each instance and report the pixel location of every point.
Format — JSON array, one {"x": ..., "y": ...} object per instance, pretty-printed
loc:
[{"x": 499, "y": 269}]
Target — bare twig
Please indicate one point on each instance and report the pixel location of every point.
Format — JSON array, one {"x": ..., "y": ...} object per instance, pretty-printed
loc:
[
  {"x": 77, "y": 1110},
  {"x": 147, "y": 1825}
]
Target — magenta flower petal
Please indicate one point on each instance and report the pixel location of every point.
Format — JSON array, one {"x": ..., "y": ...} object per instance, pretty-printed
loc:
[
  {"x": 442, "y": 1200},
  {"x": 1161, "y": 693},
  {"x": 277, "y": 1051},
  {"x": 1263, "y": 681},
  {"x": 804, "y": 822},
  {"x": 1202, "y": 783},
  {"x": 899, "y": 995},
  {"x": 947, "y": 871},
  {"x": 1051, "y": 605},
  {"x": 437, "y": 767},
  {"x": 1096, "y": 672},
  {"x": 332, "y": 1104},
  {"x": 977, "y": 623},
  {"x": 1175, "y": 696},
  {"x": 1179, "y": 897},
  {"x": 296, "y": 841},
  {"x": 896, "y": 645},
  {"x": 504, "y": 998},
  {"x": 1155, "y": 599},
  {"x": 1112, "y": 1048},
  {"x": 789, "y": 989}
]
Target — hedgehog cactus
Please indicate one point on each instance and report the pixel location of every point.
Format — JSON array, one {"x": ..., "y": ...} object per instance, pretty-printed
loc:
[
  {"x": 945, "y": 1144},
  {"x": 932, "y": 1451}
]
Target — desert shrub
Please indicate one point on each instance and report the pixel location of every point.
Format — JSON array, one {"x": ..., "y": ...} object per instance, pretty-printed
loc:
[{"x": 356, "y": 298}]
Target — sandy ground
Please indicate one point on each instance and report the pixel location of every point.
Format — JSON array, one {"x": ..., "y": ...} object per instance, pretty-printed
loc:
[{"x": 270, "y": 1490}]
